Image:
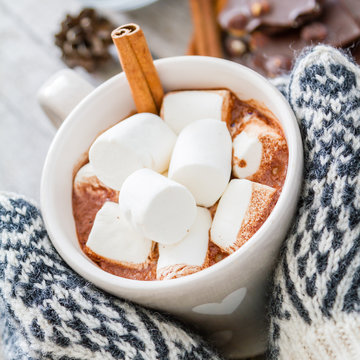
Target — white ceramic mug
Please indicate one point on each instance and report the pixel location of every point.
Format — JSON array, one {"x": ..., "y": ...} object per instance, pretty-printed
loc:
[{"x": 226, "y": 300}]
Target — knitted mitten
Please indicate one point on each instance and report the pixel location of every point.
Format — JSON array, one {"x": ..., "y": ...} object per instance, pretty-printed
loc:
[
  {"x": 315, "y": 307},
  {"x": 49, "y": 312}
]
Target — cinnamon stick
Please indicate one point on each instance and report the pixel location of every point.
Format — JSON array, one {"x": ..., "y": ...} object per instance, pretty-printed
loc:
[
  {"x": 191, "y": 50},
  {"x": 137, "y": 63},
  {"x": 207, "y": 34},
  {"x": 219, "y": 6}
]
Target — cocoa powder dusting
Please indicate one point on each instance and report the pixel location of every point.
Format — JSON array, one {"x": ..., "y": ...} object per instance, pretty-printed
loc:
[
  {"x": 87, "y": 199},
  {"x": 273, "y": 170},
  {"x": 215, "y": 254},
  {"x": 242, "y": 163},
  {"x": 262, "y": 202},
  {"x": 274, "y": 167},
  {"x": 241, "y": 111},
  {"x": 146, "y": 273}
]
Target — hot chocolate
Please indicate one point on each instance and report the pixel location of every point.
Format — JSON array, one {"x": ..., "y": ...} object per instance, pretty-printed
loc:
[{"x": 229, "y": 196}]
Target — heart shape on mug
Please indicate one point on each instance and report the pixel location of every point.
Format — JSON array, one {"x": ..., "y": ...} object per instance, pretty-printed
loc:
[{"x": 227, "y": 306}]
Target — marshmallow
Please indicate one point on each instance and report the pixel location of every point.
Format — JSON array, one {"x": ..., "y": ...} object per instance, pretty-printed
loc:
[
  {"x": 256, "y": 151},
  {"x": 161, "y": 209},
  {"x": 241, "y": 211},
  {"x": 201, "y": 160},
  {"x": 247, "y": 153},
  {"x": 188, "y": 255},
  {"x": 180, "y": 108},
  {"x": 113, "y": 238},
  {"x": 86, "y": 175},
  {"x": 142, "y": 140}
]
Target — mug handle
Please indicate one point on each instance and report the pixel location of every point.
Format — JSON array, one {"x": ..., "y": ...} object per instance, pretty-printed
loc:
[{"x": 61, "y": 93}]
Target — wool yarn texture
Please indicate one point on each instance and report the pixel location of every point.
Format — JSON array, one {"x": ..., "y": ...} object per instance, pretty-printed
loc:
[
  {"x": 315, "y": 295},
  {"x": 49, "y": 312}
]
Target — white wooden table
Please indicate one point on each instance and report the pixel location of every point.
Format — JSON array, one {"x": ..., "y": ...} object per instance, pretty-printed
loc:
[{"x": 28, "y": 57}]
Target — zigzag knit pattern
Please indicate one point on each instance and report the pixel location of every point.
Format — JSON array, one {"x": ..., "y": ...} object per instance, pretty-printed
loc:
[
  {"x": 315, "y": 306},
  {"x": 49, "y": 312}
]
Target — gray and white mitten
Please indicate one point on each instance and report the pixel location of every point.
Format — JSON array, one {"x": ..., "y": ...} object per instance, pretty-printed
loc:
[
  {"x": 315, "y": 306},
  {"x": 49, "y": 312}
]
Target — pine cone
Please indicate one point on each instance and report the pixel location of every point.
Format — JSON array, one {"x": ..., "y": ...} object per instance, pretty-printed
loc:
[{"x": 84, "y": 39}]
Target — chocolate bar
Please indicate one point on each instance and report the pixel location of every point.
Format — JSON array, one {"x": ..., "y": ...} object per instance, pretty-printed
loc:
[
  {"x": 272, "y": 55},
  {"x": 245, "y": 16},
  {"x": 353, "y": 7}
]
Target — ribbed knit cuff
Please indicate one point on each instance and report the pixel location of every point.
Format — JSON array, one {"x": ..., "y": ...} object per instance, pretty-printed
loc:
[{"x": 328, "y": 339}]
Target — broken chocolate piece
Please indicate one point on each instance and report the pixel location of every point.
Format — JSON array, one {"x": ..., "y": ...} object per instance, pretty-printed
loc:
[
  {"x": 237, "y": 24},
  {"x": 315, "y": 31},
  {"x": 271, "y": 54},
  {"x": 352, "y": 6},
  {"x": 269, "y": 15},
  {"x": 258, "y": 40}
]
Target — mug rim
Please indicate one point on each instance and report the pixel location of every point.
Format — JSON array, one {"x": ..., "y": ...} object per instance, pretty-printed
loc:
[{"x": 293, "y": 176}]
